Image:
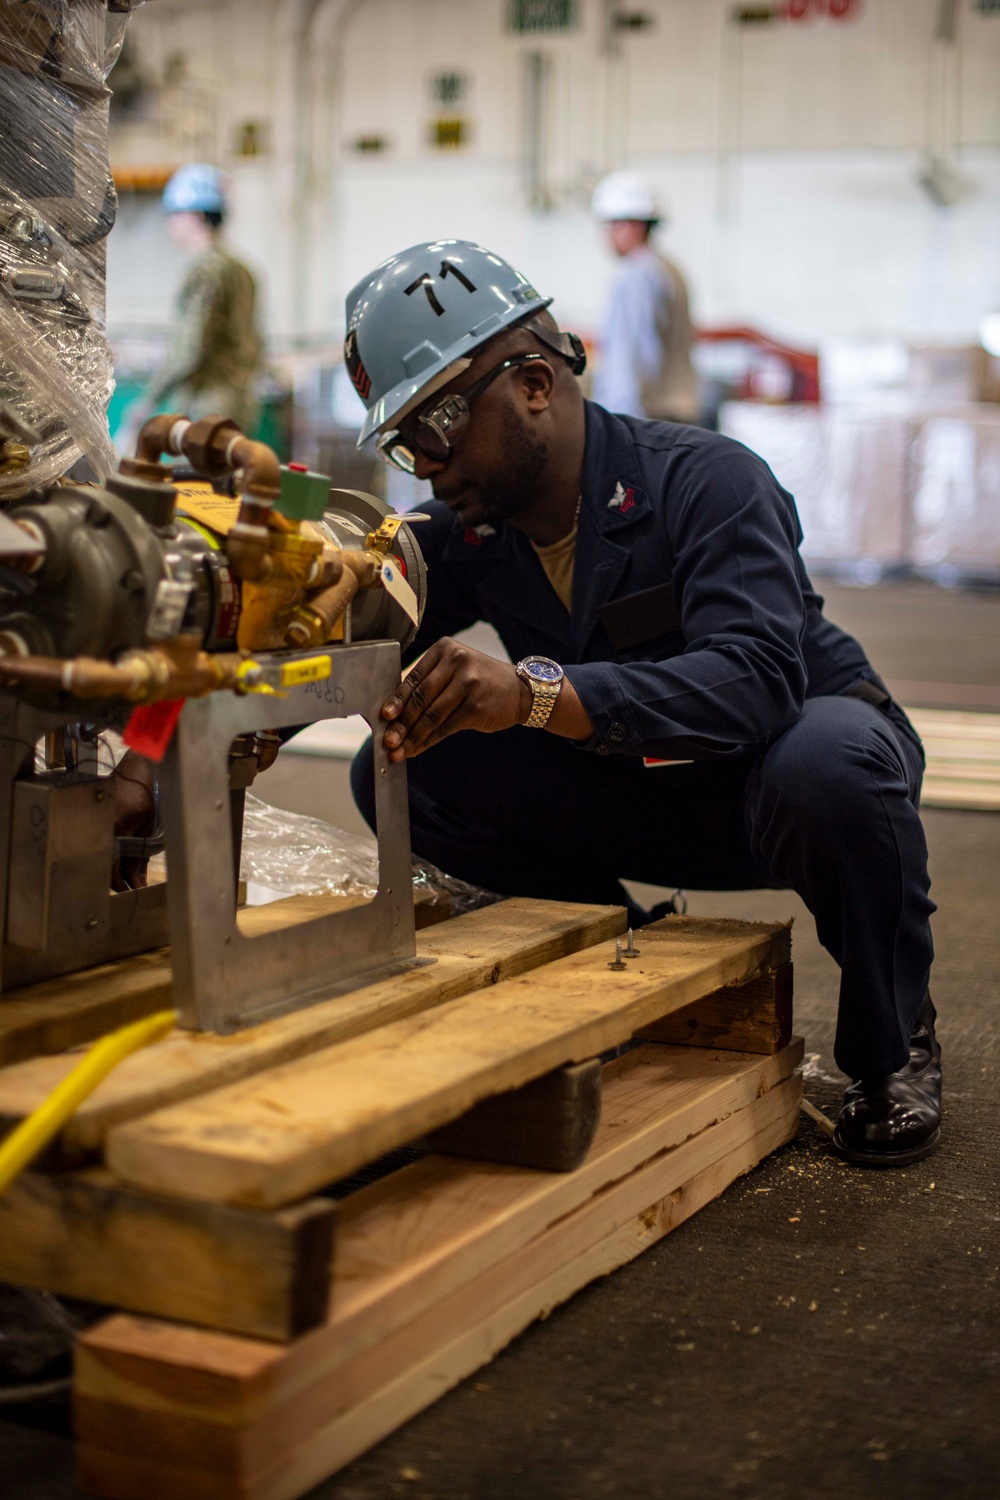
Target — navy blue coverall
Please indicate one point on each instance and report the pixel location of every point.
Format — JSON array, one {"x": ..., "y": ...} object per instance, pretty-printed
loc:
[{"x": 695, "y": 635}]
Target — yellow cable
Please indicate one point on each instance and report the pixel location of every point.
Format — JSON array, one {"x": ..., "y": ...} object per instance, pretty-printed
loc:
[{"x": 27, "y": 1139}]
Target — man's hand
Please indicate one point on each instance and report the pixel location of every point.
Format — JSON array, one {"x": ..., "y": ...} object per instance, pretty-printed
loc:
[{"x": 452, "y": 687}]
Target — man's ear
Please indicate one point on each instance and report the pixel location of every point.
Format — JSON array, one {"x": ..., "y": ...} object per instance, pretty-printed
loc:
[{"x": 537, "y": 382}]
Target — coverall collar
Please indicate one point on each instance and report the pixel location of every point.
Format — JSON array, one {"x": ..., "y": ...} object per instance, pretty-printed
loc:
[{"x": 613, "y": 499}]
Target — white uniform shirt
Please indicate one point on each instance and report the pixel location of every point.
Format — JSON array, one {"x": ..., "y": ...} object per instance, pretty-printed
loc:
[{"x": 632, "y": 351}]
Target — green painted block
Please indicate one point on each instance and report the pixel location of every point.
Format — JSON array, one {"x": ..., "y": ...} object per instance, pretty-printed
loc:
[{"x": 304, "y": 495}]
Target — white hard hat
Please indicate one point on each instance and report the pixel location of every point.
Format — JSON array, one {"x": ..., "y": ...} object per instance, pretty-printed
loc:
[{"x": 624, "y": 195}]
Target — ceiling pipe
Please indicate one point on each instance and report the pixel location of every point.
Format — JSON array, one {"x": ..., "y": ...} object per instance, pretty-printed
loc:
[{"x": 309, "y": 14}]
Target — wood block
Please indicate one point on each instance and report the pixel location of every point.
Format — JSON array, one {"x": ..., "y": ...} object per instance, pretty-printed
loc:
[
  {"x": 273, "y": 1139},
  {"x": 754, "y": 1017},
  {"x": 140, "y": 1437},
  {"x": 470, "y": 952},
  {"x": 414, "y": 1238},
  {"x": 548, "y": 1124},
  {"x": 84, "y": 1235}
]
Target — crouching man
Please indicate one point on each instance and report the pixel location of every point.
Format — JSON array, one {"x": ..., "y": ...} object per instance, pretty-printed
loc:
[{"x": 645, "y": 578}]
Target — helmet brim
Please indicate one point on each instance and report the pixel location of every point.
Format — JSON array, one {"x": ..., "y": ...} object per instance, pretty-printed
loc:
[{"x": 398, "y": 401}]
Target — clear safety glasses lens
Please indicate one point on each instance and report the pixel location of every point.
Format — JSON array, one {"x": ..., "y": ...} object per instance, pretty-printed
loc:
[
  {"x": 433, "y": 434},
  {"x": 392, "y": 450},
  {"x": 429, "y": 438}
]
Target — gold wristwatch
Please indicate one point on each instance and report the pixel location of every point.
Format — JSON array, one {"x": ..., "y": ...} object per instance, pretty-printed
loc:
[{"x": 544, "y": 677}]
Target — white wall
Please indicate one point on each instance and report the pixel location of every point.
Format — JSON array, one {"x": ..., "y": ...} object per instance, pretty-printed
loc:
[{"x": 789, "y": 155}]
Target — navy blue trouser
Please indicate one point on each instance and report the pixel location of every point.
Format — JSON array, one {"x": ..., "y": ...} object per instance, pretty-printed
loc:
[{"x": 829, "y": 810}]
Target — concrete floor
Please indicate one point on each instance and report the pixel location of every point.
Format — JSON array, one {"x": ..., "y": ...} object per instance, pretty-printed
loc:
[{"x": 819, "y": 1331}]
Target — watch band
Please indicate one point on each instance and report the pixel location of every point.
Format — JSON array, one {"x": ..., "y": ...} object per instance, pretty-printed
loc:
[{"x": 544, "y": 695}]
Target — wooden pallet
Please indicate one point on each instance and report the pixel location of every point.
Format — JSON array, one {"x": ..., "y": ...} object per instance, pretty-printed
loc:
[
  {"x": 324, "y": 1324},
  {"x": 963, "y": 758},
  {"x": 436, "y": 1268}
]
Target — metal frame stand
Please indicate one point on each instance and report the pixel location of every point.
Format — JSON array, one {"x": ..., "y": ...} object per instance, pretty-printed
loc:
[{"x": 222, "y": 979}]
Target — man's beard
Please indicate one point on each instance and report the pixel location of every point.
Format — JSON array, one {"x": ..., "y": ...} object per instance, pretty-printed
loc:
[{"x": 517, "y": 481}]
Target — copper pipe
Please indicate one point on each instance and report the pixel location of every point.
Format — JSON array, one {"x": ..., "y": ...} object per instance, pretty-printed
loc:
[
  {"x": 152, "y": 442},
  {"x": 139, "y": 677},
  {"x": 260, "y": 467},
  {"x": 154, "y": 437},
  {"x": 83, "y": 676},
  {"x": 214, "y": 446}
]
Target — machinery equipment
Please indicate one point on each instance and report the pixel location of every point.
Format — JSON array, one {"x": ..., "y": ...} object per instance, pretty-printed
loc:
[{"x": 199, "y": 608}]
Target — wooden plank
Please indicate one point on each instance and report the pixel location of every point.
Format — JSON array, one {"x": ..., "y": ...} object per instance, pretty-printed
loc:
[
  {"x": 754, "y": 1017},
  {"x": 548, "y": 1124},
  {"x": 411, "y": 1239},
  {"x": 281, "y": 1454},
  {"x": 955, "y": 722},
  {"x": 276, "y": 1138},
  {"x": 61, "y": 1013},
  {"x": 470, "y": 952},
  {"x": 974, "y": 797},
  {"x": 83, "y": 1234},
  {"x": 45, "y": 1018}
]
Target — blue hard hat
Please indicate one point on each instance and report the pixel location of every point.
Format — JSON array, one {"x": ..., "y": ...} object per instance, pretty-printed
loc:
[
  {"x": 421, "y": 314},
  {"x": 196, "y": 188}
]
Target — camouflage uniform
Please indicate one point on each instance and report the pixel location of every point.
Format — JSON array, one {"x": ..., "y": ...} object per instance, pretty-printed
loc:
[{"x": 215, "y": 352}]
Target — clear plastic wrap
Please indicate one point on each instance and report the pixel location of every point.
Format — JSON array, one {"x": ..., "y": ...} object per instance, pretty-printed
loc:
[
  {"x": 956, "y": 494},
  {"x": 847, "y": 468},
  {"x": 293, "y": 855},
  {"x": 57, "y": 206}
]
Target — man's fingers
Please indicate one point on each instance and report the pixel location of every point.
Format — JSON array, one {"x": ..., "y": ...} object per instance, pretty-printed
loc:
[
  {"x": 399, "y": 697},
  {"x": 422, "y": 699},
  {"x": 460, "y": 718},
  {"x": 434, "y": 715}
]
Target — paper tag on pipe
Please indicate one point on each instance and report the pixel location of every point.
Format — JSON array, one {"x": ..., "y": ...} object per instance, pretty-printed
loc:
[{"x": 397, "y": 588}]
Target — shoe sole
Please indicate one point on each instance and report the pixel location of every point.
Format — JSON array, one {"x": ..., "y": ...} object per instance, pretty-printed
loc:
[{"x": 886, "y": 1158}]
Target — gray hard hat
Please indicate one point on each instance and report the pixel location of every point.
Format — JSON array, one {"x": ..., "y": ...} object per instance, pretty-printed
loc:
[{"x": 418, "y": 318}]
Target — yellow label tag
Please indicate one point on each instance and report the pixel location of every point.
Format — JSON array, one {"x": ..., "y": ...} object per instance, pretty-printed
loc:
[
  {"x": 312, "y": 669},
  {"x": 201, "y": 503}
]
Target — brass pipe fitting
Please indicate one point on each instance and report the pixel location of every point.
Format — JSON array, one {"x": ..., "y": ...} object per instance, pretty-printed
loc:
[
  {"x": 312, "y": 623},
  {"x": 248, "y": 553}
]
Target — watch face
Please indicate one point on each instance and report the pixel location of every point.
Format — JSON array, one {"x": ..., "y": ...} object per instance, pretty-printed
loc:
[{"x": 542, "y": 669}]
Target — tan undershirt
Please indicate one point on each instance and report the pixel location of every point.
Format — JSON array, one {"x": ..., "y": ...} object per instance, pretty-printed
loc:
[{"x": 557, "y": 561}]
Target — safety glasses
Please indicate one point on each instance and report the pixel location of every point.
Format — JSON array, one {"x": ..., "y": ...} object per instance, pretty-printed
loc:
[{"x": 433, "y": 431}]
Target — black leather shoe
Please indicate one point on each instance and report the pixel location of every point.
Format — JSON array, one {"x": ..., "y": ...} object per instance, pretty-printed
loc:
[{"x": 895, "y": 1120}]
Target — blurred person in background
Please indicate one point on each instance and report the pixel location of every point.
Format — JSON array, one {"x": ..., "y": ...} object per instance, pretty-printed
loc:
[
  {"x": 215, "y": 351},
  {"x": 645, "y": 366}
]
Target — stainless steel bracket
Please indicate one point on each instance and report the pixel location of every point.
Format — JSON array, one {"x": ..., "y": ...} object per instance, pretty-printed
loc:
[{"x": 223, "y": 979}]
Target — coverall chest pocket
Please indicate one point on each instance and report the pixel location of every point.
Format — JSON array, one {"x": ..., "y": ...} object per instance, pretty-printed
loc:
[{"x": 645, "y": 625}]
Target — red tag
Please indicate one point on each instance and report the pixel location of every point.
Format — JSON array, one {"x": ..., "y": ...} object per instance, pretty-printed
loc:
[
  {"x": 649, "y": 761},
  {"x": 151, "y": 727}
]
